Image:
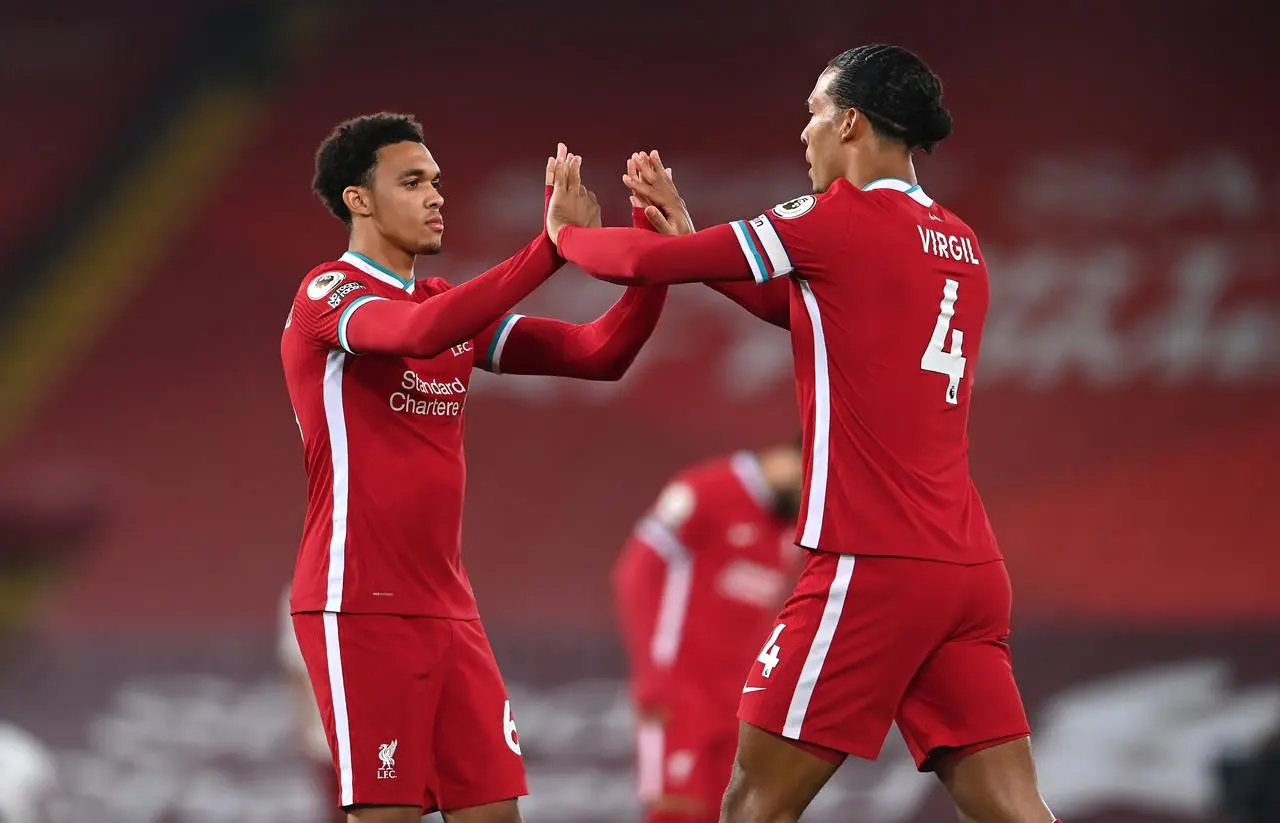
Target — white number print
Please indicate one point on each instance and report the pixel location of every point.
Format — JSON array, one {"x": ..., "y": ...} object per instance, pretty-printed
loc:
[
  {"x": 935, "y": 358},
  {"x": 769, "y": 654},
  {"x": 509, "y": 729}
]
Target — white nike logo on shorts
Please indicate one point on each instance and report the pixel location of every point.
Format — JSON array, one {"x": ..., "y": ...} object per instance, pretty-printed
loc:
[{"x": 749, "y": 689}]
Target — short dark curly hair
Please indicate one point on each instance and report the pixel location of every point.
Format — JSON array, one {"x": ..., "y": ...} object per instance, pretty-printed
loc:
[
  {"x": 898, "y": 93},
  {"x": 348, "y": 155}
]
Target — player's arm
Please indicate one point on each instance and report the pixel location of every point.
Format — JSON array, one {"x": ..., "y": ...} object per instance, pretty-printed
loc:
[
  {"x": 374, "y": 326},
  {"x": 634, "y": 256},
  {"x": 804, "y": 230},
  {"x": 658, "y": 204},
  {"x": 600, "y": 350},
  {"x": 770, "y": 302}
]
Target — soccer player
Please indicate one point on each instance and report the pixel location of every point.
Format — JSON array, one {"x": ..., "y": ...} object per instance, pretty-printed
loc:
[
  {"x": 377, "y": 364},
  {"x": 696, "y": 586},
  {"x": 902, "y": 611}
]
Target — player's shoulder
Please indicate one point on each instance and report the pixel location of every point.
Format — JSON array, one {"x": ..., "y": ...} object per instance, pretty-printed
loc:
[
  {"x": 323, "y": 280},
  {"x": 951, "y": 219},
  {"x": 814, "y": 206},
  {"x": 681, "y": 496},
  {"x": 353, "y": 272},
  {"x": 708, "y": 470},
  {"x": 713, "y": 479}
]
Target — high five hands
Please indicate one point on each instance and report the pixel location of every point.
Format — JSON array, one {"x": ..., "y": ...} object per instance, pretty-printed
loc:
[
  {"x": 571, "y": 203},
  {"x": 651, "y": 184},
  {"x": 653, "y": 188}
]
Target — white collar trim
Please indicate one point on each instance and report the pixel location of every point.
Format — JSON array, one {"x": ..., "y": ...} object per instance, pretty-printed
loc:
[
  {"x": 913, "y": 191},
  {"x": 351, "y": 258}
]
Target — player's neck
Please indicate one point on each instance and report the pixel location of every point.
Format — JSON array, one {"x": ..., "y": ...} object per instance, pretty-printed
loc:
[
  {"x": 882, "y": 165},
  {"x": 378, "y": 249}
]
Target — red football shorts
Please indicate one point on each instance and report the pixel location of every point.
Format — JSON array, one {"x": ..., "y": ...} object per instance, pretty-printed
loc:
[
  {"x": 414, "y": 708},
  {"x": 686, "y": 756},
  {"x": 864, "y": 641}
]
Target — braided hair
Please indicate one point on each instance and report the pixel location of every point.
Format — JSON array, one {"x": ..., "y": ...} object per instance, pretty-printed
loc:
[{"x": 896, "y": 92}]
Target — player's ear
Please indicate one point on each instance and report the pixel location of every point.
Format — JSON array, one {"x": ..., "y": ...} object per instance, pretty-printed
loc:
[
  {"x": 851, "y": 123},
  {"x": 357, "y": 200}
]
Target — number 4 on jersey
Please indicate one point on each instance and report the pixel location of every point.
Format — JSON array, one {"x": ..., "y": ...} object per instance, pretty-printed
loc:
[
  {"x": 769, "y": 654},
  {"x": 935, "y": 358}
]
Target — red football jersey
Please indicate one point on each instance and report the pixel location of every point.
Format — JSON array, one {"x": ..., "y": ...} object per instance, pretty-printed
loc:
[
  {"x": 383, "y": 446},
  {"x": 888, "y": 299},
  {"x": 699, "y": 582}
]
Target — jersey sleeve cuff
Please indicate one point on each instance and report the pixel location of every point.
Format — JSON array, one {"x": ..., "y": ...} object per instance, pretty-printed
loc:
[
  {"x": 345, "y": 319},
  {"x": 763, "y": 248},
  {"x": 499, "y": 342}
]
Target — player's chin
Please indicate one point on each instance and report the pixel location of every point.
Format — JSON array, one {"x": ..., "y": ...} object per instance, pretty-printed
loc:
[
  {"x": 432, "y": 245},
  {"x": 813, "y": 182}
]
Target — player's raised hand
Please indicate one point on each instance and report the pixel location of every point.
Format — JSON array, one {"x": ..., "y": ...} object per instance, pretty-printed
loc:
[
  {"x": 653, "y": 188},
  {"x": 562, "y": 152},
  {"x": 571, "y": 202}
]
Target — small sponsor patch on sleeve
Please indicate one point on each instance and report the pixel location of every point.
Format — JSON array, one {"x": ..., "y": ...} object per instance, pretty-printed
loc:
[{"x": 341, "y": 292}]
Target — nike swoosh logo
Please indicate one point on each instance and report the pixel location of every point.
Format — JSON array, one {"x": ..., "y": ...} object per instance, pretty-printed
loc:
[{"x": 750, "y": 689}]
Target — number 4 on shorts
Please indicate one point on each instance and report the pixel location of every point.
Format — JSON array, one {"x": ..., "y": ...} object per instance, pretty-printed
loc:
[{"x": 769, "y": 654}]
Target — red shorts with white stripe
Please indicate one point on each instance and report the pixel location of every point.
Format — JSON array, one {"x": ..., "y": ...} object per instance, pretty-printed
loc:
[
  {"x": 414, "y": 708},
  {"x": 865, "y": 641},
  {"x": 685, "y": 756}
]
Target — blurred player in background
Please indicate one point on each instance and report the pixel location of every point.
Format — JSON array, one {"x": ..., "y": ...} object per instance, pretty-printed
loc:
[
  {"x": 378, "y": 364},
  {"x": 902, "y": 611},
  {"x": 696, "y": 586}
]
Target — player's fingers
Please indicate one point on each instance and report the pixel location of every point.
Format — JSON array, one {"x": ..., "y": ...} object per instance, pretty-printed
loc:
[
  {"x": 651, "y": 173},
  {"x": 562, "y": 151},
  {"x": 560, "y": 175},
  {"x": 632, "y": 182},
  {"x": 640, "y": 188},
  {"x": 551, "y": 171},
  {"x": 631, "y": 166},
  {"x": 575, "y": 171},
  {"x": 658, "y": 220},
  {"x": 672, "y": 174}
]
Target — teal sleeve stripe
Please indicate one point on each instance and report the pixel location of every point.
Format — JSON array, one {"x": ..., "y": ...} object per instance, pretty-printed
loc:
[
  {"x": 749, "y": 250},
  {"x": 346, "y": 318},
  {"x": 494, "y": 355}
]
